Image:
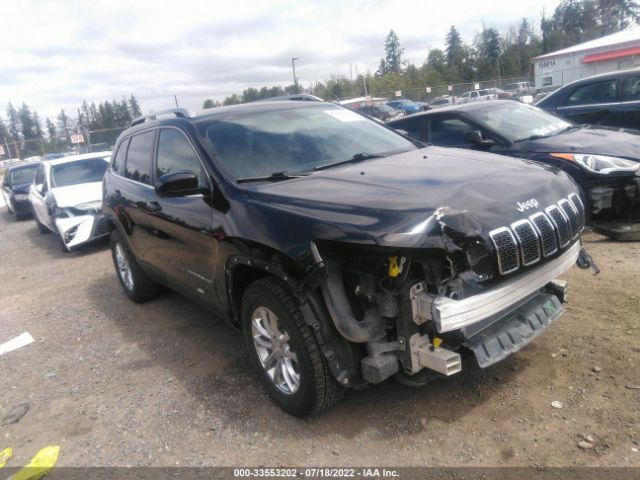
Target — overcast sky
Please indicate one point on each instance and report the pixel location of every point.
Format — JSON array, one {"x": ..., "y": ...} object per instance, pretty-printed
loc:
[{"x": 55, "y": 54}]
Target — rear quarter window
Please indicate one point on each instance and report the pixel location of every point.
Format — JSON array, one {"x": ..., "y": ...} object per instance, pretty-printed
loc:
[
  {"x": 139, "y": 157},
  {"x": 117, "y": 163}
]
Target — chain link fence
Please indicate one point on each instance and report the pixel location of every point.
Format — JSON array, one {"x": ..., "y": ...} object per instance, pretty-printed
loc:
[
  {"x": 455, "y": 90},
  {"x": 27, "y": 151}
]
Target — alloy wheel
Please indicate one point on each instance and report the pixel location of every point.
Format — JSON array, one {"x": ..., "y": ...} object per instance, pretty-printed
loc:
[
  {"x": 124, "y": 269},
  {"x": 274, "y": 352}
]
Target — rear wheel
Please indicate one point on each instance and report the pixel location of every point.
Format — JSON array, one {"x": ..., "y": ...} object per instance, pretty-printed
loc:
[
  {"x": 136, "y": 284},
  {"x": 285, "y": 351}
]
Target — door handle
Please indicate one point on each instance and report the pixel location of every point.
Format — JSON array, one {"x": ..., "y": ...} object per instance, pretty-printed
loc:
[{"x": 154, "y": 206}]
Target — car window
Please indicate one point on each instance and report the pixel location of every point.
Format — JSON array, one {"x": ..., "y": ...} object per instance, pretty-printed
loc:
[
  {"x": 23, "y": 175},
  {"x": 139, "y": 155},
  {"x": 449, "y": 132},
  {"x": 176, "y": 153},
  {"x": 118, "y": 159},
  {"x": 414, "y": 127},
  {"x": 631, "y": 88},
  {"x": 599, "y": 92},
  {"x": 517, "y": 121},
  {"x": 80, "y": 171},
  {"x": 39, "y": 180}
]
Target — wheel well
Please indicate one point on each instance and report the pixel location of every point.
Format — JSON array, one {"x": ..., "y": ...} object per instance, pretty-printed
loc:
[{"x": 240, "y": 278}]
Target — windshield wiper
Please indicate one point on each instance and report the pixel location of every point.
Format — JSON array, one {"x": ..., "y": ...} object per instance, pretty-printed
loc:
[
  {"x": 274, "y": 177},
  {"x": 358, "y": 157}
]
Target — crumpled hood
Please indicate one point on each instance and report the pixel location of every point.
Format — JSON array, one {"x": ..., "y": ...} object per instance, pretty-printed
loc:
[
  {"x": 404, "y": 193},
  {"x": 594, "y": 140},
  {"x": 76, "y": 194}
]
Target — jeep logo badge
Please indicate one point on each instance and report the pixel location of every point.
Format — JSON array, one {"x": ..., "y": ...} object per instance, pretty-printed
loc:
[{"x": 522, "y": 206}]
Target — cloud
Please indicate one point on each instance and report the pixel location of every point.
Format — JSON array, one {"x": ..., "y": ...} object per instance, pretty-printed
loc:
[{"x": 55, "y": 54}]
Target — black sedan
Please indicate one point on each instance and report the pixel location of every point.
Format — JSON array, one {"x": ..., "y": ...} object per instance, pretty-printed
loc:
[
  {"x": 605, "y": 162},
  {"x": 611, "y": 99},
  {"x": 15, "y": 188}
]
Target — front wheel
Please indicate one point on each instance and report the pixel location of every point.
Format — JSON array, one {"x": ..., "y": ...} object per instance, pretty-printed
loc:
[
  {"x": 285, "y": 351},
  {"x": 135, "y": 283}
]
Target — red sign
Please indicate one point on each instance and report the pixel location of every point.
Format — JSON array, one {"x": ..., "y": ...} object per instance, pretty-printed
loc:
[{"x": 77, "y": 138}]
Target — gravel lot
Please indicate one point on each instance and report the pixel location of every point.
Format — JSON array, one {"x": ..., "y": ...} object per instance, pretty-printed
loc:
[{"x": 115, "y": 383}]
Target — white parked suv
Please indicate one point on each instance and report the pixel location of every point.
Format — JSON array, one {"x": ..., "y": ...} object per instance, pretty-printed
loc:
[
  {"x": 66, "y": 198},
  {"x": 477, "y": 96}
]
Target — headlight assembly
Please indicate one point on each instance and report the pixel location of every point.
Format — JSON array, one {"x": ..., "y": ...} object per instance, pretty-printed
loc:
[{"x": 600, "y": 163}]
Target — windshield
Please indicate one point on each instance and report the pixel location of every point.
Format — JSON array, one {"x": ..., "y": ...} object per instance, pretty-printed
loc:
[
  {"x": 23, "y": 175},
  {"x": 517, "y": 121},
  {"x": 80, "y": 171},
  {"x": 296, "y": 140}
]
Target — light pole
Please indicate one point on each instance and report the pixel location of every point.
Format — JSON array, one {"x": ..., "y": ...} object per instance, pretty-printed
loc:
[{"x": 295, "y": 80}]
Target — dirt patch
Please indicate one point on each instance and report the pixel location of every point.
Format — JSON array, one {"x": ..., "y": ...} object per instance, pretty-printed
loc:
[{"x": 165, "y": 383}]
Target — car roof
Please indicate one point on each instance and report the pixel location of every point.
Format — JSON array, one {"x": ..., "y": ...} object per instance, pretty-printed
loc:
[
  {"x": 602, "y": 76},
  {"x": 226, "y": 111},
  {"x": 73, "y": 158},
  {"x": 21, "y": 166}
]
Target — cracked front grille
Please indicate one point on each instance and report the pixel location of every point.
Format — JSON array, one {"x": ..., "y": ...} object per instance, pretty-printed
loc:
[{"x": 542, "y": 234}]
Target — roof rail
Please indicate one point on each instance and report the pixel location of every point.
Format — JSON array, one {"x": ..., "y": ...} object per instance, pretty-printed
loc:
[{"x": 178, "y": 112}]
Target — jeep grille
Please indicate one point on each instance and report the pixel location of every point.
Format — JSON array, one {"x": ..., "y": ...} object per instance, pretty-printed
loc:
[{"x": 544, "y": 233}]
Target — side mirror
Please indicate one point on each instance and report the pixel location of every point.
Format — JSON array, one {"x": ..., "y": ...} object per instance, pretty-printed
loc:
[
  {"x": 177, "y": 184},
  {"x": 474, "y": 137},
  {"x": 39, "y": 188}
]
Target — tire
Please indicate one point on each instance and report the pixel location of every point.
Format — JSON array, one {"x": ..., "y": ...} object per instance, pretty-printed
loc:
[
  {"x": 316, "y": 390},
  {"x": 135, "y": 283}
]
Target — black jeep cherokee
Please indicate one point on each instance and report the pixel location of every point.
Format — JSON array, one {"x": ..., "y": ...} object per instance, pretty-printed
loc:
[{"x": 344, "y": 252}]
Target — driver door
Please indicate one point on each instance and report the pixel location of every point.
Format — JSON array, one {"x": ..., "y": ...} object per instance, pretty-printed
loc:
[{"x": 38, "y": 194}]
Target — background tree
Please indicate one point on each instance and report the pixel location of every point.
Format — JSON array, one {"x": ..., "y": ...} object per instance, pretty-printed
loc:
[
  {"x": 393, "y": 54},
  {"x": 135, "y": 107}
]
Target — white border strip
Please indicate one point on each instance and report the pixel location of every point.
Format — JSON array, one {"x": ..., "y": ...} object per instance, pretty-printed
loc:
[{"x": 16, "y": 343}]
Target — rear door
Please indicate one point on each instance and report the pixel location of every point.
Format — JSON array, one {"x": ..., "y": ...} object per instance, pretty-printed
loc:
[
  {"x": 135, "y": 194},
  {"x": 628, "y": 115},
  {"x": 182, "y": 245},
  {"x": 592, "y": 103}
]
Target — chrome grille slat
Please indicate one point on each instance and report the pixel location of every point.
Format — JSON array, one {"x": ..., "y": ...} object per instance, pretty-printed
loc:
[
  {"x": 547, "y": 233},
  {"x": 576, "y": 201},
  {"x": 572, "y": 215},
  {"x": 528, "y": 241},
  {"x": 561, "y": 222},
  {"x": 507, "y": 248}
]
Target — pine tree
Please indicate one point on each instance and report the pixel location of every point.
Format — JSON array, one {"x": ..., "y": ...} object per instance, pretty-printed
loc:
[
  {"x": 453, "y": 50},
  {"x": 393, "y": 54},
  {"x": 135, "y": 108},
  {"x": 208, "y": 103},
  {"x": 64, "y": 124}
]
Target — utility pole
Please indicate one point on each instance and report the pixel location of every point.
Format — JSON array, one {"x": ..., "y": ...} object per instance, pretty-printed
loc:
[{"x": 295, "y": 79}]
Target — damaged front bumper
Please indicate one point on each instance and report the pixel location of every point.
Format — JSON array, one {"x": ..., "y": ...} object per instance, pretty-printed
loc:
[
  {"x": 77, "y": 230},
  {"x": 449, "y": 314}
]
